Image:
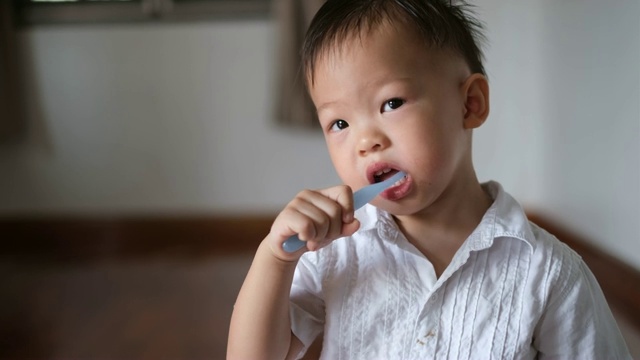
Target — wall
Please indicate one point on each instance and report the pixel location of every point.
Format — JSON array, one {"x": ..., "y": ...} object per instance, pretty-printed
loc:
[
  {"x": 178, "y": 118},
  {"x": 157, "y": 119}
]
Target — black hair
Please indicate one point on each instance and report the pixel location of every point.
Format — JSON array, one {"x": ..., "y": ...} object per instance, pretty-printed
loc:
[{"x": 441, "y": 24}]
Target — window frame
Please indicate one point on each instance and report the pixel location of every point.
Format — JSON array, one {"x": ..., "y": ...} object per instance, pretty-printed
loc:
[{"x": 30, "y": 13}]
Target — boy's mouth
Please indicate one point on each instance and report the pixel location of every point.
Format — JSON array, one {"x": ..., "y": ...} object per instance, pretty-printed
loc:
[
  {"x": 381, "y": 175},
  {"x": 381, "y": 171},
  {"x": 376, "y": 176}
]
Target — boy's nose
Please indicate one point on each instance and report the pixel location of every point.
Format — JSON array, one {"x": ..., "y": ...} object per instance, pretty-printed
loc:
[{"x": 371, "y": 141}]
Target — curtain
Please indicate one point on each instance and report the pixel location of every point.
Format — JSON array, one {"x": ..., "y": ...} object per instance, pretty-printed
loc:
[
  {"x": 11, "y": 119},
  {"x": 294, "y": 107}
]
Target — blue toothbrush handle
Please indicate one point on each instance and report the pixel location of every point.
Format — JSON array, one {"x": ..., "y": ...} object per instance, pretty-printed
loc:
[{"x": 293, "y": 244}]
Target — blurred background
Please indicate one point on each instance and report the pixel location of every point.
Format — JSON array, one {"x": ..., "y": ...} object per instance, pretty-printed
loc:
[{"x": 143, "y": 157}]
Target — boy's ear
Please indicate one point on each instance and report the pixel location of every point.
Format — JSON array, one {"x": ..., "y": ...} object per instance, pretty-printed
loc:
[{"x": 476, "y": 101}]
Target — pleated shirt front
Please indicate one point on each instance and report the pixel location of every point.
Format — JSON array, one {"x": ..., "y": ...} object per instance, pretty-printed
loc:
[{"x": 512, "y": 291}]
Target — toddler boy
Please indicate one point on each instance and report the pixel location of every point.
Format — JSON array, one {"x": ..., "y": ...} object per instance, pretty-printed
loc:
[{"x": 438, "y": 265}]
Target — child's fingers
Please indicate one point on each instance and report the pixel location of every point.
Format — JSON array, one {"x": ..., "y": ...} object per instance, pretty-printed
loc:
[
  {"x": 307, "y": 220},
  {"x": 343, "y": 195},
  {"x": 348, "y": 229},
  {"x": 317, "y": 217},
  {"x": 337, "y": 203},
  {"x": 324, "y": 214}
]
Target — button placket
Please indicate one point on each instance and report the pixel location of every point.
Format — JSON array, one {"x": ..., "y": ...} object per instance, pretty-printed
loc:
[{"x": 428, "y": 327}]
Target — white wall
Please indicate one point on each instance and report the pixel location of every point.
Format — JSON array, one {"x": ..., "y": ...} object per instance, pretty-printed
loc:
[
  {"x": 157, "y": 118},
  {"x": 178, "y": 118}
]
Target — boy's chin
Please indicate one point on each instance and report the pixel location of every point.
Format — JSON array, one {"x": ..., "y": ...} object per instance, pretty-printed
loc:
[{"x": 392, "y": 208}]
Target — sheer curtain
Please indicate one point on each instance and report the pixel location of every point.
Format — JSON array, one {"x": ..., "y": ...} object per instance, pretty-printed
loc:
[
  {"x": 11, "y": 120},
  {"x": 294, "y": 107}
]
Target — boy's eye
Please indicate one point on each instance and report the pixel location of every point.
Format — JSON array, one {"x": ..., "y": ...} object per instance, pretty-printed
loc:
[
  {"x": 392, "y": 104},
  {"x": 339, "y": 125}
]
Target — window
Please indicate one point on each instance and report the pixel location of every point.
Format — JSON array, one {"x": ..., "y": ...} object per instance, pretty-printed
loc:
[{"x": 34, "y": 12}]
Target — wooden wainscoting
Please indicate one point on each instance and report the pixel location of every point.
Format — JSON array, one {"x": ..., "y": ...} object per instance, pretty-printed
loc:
[{"x": 82, "y": 239}]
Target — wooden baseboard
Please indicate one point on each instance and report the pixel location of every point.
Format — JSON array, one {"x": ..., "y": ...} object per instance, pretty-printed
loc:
[{"x": 86, "y": 239}]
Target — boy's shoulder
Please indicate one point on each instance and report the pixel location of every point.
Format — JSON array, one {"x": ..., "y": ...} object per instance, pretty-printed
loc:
[
  {"x": 549, "y": 255},
  {"x": 561, "y": 263},
  {"x": 549, "y": 243}
]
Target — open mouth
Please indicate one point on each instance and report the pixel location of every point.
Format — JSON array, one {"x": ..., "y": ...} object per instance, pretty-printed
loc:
[
  {"x": 386, "y": 173},
  {"x": 382, "y": 171},
  {"x": 382, "y": 175}
]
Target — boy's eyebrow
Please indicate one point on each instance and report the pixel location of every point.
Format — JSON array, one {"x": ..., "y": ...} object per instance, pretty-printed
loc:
[{"x": 325, "y": 105}]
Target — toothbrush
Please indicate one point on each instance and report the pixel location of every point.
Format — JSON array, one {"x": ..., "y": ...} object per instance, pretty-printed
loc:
[{"x": 360, "y": 198}]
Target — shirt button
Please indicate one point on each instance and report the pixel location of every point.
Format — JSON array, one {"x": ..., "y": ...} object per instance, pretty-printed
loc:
[{"x": 429, "y": 335}]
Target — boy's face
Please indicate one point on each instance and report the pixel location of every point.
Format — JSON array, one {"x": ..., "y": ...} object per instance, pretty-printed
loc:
[{"x": 387, "y": 102}]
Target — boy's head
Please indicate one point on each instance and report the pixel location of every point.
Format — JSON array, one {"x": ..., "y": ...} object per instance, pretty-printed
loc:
[
  {"x": 398, "y": 85},
  {"x": 439, "y": 23}
]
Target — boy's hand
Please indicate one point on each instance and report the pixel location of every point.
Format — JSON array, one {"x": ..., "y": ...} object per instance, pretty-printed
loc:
[{"x": 317, "y": 216}]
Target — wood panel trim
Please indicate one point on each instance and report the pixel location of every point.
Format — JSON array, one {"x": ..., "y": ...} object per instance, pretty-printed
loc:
[
  {"x": 86, "y": 239},
  {"x": 83, "y": 239}
]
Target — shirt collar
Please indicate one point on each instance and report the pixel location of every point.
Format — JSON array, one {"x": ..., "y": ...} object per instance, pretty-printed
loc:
[{"x": 505, "y": 218}]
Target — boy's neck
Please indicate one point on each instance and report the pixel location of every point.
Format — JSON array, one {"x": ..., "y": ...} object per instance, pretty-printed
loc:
[{"x": 439, "y": 231}]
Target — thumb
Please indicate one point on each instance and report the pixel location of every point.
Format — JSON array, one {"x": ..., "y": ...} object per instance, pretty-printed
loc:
[{"x": 349, "y": 229}]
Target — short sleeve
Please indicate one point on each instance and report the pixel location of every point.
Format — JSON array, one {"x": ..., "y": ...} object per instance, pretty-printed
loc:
[
  {"x": 577, "y": 322},
  {"x": 306, "y": 303}
]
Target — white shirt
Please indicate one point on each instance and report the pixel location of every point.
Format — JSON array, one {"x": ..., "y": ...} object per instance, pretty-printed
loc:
[{"x": 512, "y": 291}]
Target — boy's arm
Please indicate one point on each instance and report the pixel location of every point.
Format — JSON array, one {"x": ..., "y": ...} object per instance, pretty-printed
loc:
[{"x": 260, "y": 324}]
